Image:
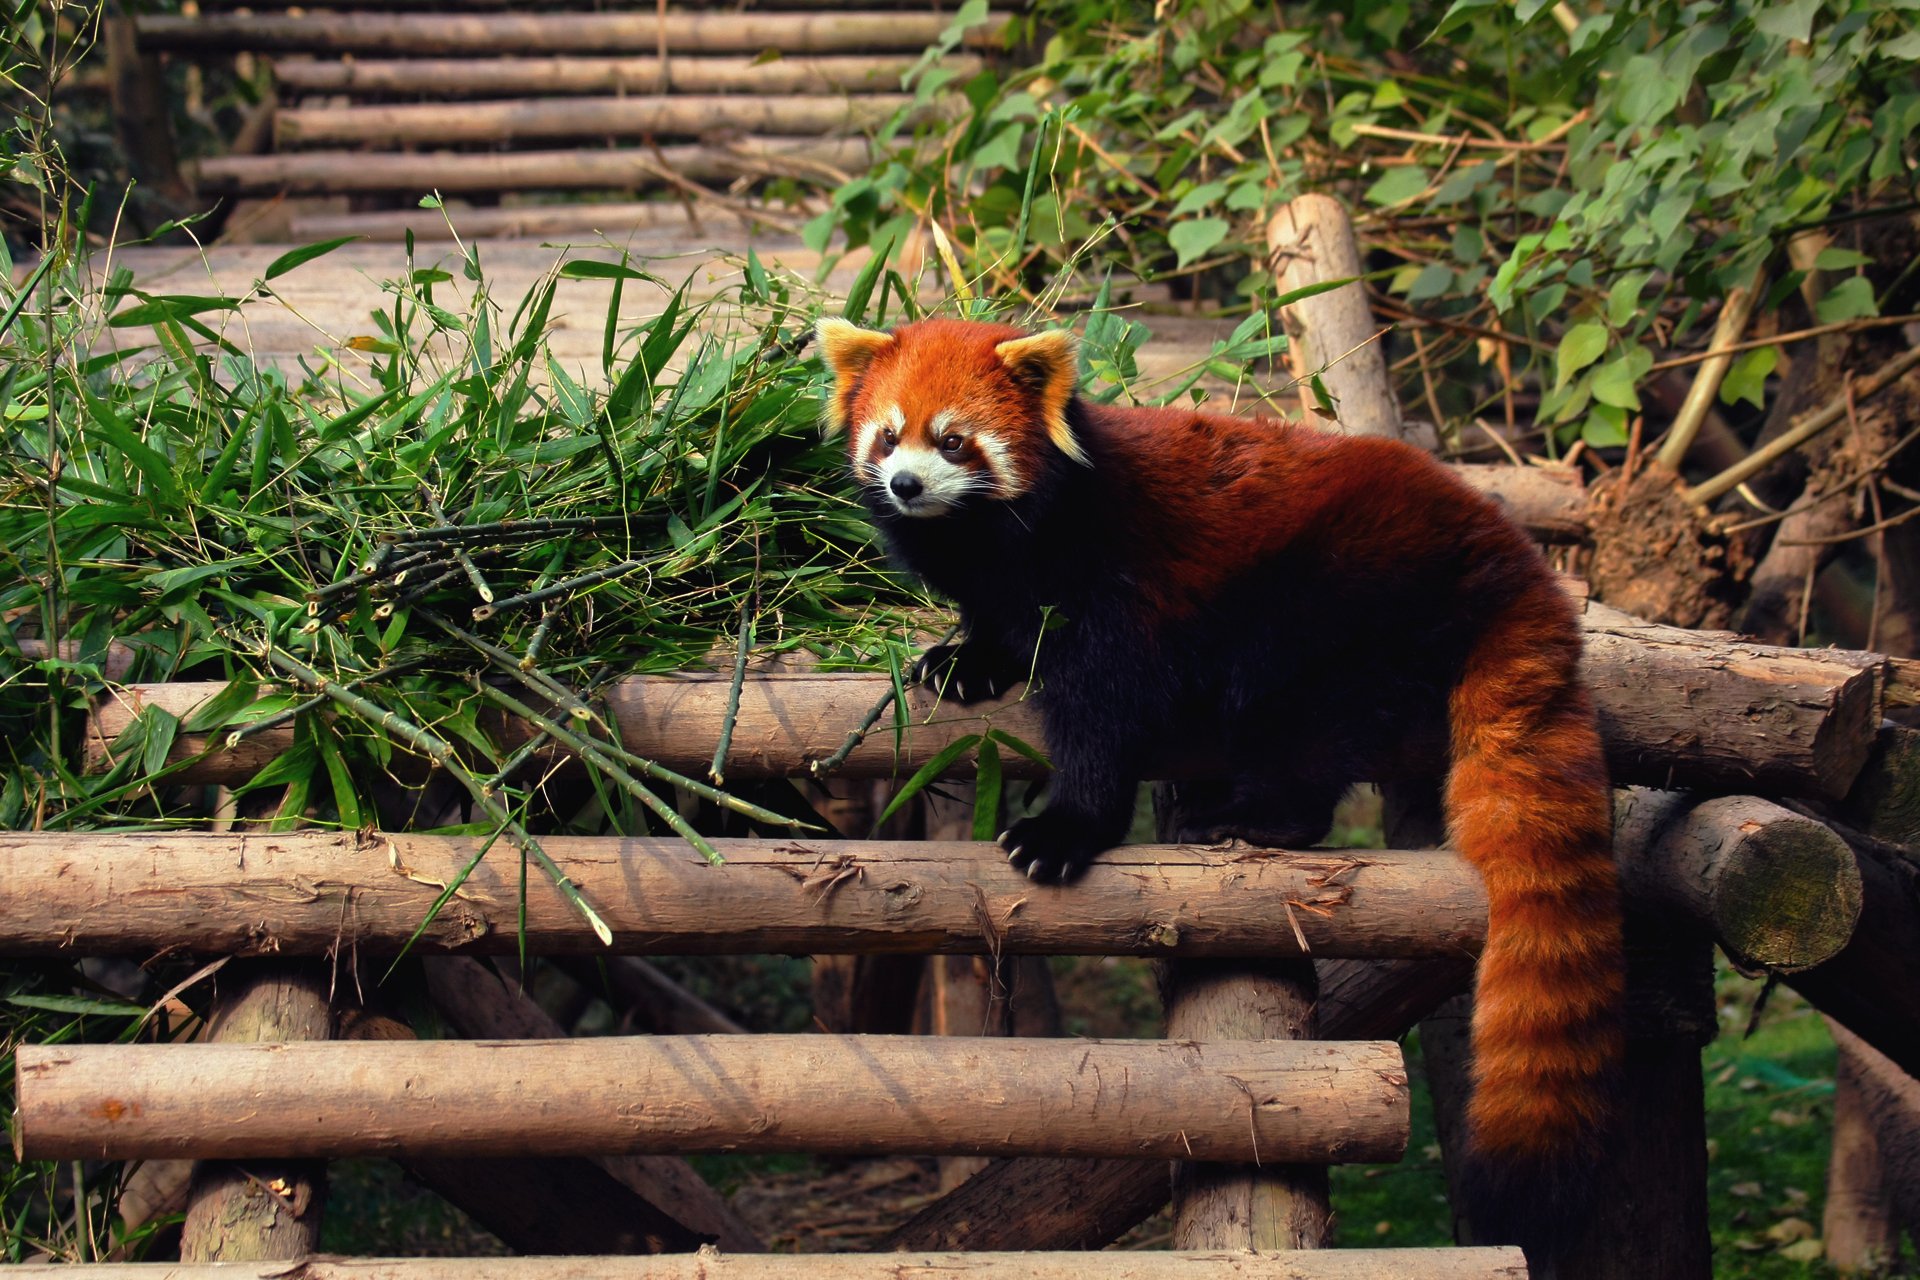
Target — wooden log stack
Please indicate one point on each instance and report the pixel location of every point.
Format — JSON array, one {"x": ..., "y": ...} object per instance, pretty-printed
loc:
[{"x": 422, "y": 97}]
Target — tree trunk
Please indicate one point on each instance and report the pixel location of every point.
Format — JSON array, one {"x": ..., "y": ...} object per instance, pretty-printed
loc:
[
  {"x": 1334, "y": 336},
  {"x": 258, "y": 1208},
  {"x": 1267, "y": 1206}
]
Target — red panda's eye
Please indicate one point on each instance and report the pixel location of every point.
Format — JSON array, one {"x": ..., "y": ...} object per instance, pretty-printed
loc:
[
  {"x": 891, "y": 437},
  {"x": 952, "y": 443}
]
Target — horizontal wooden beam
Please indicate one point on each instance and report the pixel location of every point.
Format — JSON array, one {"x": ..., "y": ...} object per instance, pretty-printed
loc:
[
  {"x": 688, "y": 115},
  {"x": 324, "y": 172},
  {"x": 562, "y": 74},
  {"x": 1677, "y": 709},
  {"x": 525, "y": 33},
  {"x": 1239, "y": 1101},
  {"x": 309, "y": 893},
  {"x": 1319, "y": 1264},
  {"x": 626, "y": 220}
]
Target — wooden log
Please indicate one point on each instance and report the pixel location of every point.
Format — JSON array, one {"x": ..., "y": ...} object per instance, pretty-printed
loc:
[
  {"x": 852, "y": 1095},
  {"x": 1040, "y": 1203},
  {"x": 267, "y": 1207},
  {"x": 308, "y": 893},
  {"x": 1269, "y": 1206},
  {"x": 1885, "y": 800},
  {"x": 1853, "y": 987},
  {"x": 1644, "y": 1210},
  {"x": 1709, "y": 710},
  {"x": 690, "y": 115},
  {"x": 1333, "y": 334},
  {"x": 332, "y": 172},
  {"x": 1549, "y": 502},
  {"x": 137, "y": 90},
  {"x": 1776, "y": 889},
  {"x": 1338, "y": 1264},
  {"x": 1890, "y": 1099},
  {"x": 525, "y": 33},
  {"x": 481, "y": 1007},
  {"x": 1857, "y": 1223},
  {"x": 1677, "y": 708},
  {"x": 619, "y": 220},
  {"x": 515, "y": 77},
  {"x": 564, "y": 1205}
]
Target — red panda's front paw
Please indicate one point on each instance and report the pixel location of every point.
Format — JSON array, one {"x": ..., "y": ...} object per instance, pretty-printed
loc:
[
  {"x": 964, "y": 672},
  {"x": 1050, "y": 846}
]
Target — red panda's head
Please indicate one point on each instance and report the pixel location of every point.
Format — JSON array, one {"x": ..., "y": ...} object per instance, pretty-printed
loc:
[{"x": 943, "y": 411}]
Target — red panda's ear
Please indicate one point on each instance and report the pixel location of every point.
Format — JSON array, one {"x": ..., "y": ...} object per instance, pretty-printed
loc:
[
  {"x": 1048, "y": 364},
  {"x": 848, "y": 350}
]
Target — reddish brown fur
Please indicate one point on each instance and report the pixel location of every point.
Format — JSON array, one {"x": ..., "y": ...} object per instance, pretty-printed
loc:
[{"x": 1199, "y": 512}]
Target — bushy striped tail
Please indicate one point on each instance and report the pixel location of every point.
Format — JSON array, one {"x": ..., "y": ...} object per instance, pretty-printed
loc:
[{"x": 1529, "y": 805}]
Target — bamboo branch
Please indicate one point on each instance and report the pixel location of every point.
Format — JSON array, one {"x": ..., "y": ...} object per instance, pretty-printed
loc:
[
  {"x": 1732, "y": 322},
  {"x": 1804, "y": 430}
]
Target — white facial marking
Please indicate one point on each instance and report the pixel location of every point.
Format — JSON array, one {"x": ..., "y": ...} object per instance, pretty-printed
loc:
[
  {"x": 868, "y": 432},
  {"x": 999, "y": 461}
]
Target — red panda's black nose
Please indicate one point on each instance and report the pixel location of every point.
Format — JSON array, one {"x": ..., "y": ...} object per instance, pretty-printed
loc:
[{"x": 906, "y": 486}]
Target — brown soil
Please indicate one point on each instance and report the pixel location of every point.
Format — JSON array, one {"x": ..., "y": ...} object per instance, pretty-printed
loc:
[{"x": 1653, "y": 558}]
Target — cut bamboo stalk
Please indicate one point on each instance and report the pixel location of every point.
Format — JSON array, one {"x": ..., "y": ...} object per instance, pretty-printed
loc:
[
  {"x": 332, "y": 172},
  {"x": 1341, "y": 1264},
  {"x": 512, "y": 77},
  {"x": 689, "y": 115},
  {"x": 307, "y": 893},
  {"x": 593, "y": 33},
  {"x": 1677, "y": 709},
  {"x": 852, "y": 1095},
  {"x": 1776, "y": 889}
]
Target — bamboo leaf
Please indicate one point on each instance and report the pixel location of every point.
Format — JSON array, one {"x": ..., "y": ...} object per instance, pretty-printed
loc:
[{"x": 928, "y": 772}]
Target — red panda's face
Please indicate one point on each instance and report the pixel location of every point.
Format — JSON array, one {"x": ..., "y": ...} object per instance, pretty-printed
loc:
[{"x": 944, "y": 412}]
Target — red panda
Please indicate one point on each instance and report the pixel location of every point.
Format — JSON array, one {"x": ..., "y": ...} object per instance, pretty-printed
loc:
[{"x": 1313, "y": 609}]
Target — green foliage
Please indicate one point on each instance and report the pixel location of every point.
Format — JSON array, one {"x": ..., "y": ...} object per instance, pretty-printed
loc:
[{"x": 1587, "y": 179}]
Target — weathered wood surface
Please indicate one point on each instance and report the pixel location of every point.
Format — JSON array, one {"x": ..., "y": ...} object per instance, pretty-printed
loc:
[
  {"x": 482, "y": 1007},
  {"x": 1310, "y": 241},
  {"x": 327, "y": 303},
  {"x": 853, "y": 1095},
  {"x": 510, "y": 77},
  {"x": 1038, "y": 1203},
  {"x": 1866, "y": 986},
  {"x": 1677, "y": 708},
  {"x": 420, "y": 173},
  {"x": 566, "y": 1204},
  {"x": 1271, "y": 1205},
  {"x": 310, "y": 892},
  {"x": 1340, "y": 1264},
  {"x": 1707, "y": 709},
  {"x": 523, "y": 33},
  {"x": 1871, "y": 1097},
  {"x": 683, "y": 115},
  {"x": 1774, "y": 888},
  {"x": 266, "y": 1208},
  {"x": 1885, "y": 800}
]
